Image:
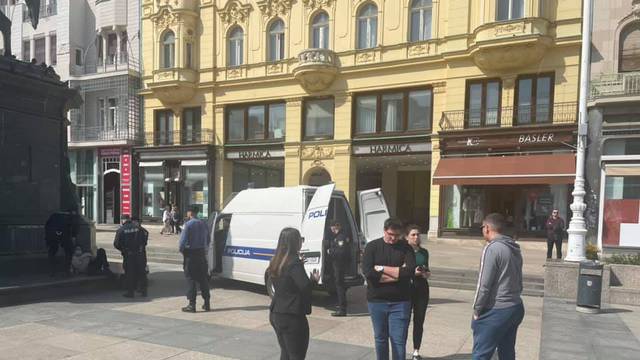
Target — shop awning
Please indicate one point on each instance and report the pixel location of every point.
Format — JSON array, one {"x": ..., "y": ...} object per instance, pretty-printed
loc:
[{"x": 506, "y": 170}]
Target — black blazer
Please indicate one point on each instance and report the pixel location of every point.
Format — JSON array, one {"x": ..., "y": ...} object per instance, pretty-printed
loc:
[{"x": 293, "y": 290}]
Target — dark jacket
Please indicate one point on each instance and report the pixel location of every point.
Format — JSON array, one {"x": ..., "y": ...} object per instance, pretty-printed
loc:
[
  {"x": 131, "y": 239},
  {"x": 292, "y": 290},
  {"x": 340, "y": 249},
  {"x": 60, "y": 229},
  {"x": 500, "y": 278},
  {"x": 400, "y": 254},
  {"x": 555, "y": 227}
]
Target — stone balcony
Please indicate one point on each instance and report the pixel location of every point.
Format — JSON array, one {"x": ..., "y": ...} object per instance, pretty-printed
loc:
[
  {"x": 509, "y": 45},
  {"x": 174, "y": 85},
  {"x": 316, "y": 69},
  {"x": 617, "y": 85}
]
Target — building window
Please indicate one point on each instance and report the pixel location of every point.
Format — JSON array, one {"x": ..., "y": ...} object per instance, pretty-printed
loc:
[
  {"x": 168, "y": 49},
  {"x": 256, "y": 122},
  {"x": 421, "y": 11},
  {"x": 236, "y": 36},
  {"x": 482, "y": 103},
  {"x": 188, "y": 59},
  {"x": 318, "y": 119},
  {"x": 368, "y": 27},
  {"x": 40, "y": 50},
  {"x": 123, "y": 55},
  {"x": 163, "y": 132},
  {"x": 100, "y": 50},
  {"x": 534, "y": 99},
  {"x": 276, "y": 40},
  {"x": 112, "y": 113},
  {"x": 78, "y": 57},
  {"x": 112, "y": 43},
  {"x": 192, "y": 126},
  {"x": 53, "y": 48},
  {"x": 26, "y": 50},
  {"x": 509, "y": 9},
  {"x": 320, "y": 31},
  {"x": 624, "y": 146},
  {"x": 391, "y": 112},
  {"x": 102, "y": 114},
  {"x": 629, "y": 58}
]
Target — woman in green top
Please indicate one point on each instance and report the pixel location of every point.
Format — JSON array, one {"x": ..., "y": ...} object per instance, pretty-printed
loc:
[{"x": 419, "y": 289}]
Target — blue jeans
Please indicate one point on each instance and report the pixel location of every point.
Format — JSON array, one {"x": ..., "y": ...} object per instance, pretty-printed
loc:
[
  {"x": 497, "y": 328},
  {"x": 390, "y": 320}
]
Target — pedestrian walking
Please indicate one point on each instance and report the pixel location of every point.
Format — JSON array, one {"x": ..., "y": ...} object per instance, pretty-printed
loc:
[
  {"x": 60, "y": 232},
  {"x": 389, "y": 266},
  {"x": 419, "y": 288},
  {"x": 176, "y": 220},
  {"x": 497, "y": 307},
  {"x": 194, "y": 243},
  {"x": 131, "y": 239},
  {"x": 555, "y": 227},
  {"x": 339, "y": 251},
  {"x": 291, "y": 302},
  {"x": 166, "y": 221}
]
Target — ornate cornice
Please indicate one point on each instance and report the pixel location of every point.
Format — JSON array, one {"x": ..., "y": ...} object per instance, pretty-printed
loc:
[
  {"x": 165, "y": 18},
  {"x": 270, "y": 8},
  {"x": 234, "y": 12},
  {"x": 317, "y": 4},
  {"x": 316, "y": 152}
]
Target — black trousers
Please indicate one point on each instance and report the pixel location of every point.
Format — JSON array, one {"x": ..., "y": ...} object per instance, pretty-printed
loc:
[
  {"x": 99, "y": 265},
  {"x": 52, "y": 250},
  {"x": 135, "y": 273},
  {"x": 341, "y": 289},
  {"x": 292, "y": 331},
  {"x": 195, "y": 270},
  {"x": 419, "y": 304},
  {"x": 557, "y": 240}
]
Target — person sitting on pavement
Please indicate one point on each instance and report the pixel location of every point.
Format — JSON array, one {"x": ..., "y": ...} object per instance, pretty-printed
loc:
[
  {"x": 85, "y": 263},
  {"x": 194, "y": 243},
  {"x": 131, "y": 240}
]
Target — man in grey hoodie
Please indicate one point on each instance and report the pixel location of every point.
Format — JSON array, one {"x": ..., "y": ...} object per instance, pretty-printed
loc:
[{"x": 497, "y": 307}]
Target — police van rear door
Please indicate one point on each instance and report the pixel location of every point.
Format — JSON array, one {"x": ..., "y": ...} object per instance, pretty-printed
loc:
[
  {"x": 313, "y": 227},
  {"x": 373, "y": 213}
]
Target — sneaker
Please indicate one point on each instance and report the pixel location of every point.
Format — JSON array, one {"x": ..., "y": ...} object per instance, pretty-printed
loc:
[{"x": 191, "y": 308}]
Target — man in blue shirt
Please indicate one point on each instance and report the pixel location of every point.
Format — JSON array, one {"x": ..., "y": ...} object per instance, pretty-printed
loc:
[{"x": 194, "y": 243}]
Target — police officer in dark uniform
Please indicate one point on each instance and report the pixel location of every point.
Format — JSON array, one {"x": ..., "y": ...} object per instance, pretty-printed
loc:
[
  {"x": 339, "y": 251},
  {"x": 131, "y": 240},
  {"x": 60, "y": 232}
]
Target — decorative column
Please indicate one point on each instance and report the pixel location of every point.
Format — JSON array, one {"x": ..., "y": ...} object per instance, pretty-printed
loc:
[
  {"x": 118, "y": 39},
  {"x": 577, "y": 226},
  {"x": 32, "y": 48},
  {"x": 105, "y": 51},
  {"x": 47, "y": 49}
]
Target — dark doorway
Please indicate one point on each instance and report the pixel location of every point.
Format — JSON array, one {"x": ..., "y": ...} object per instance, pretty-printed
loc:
[
  {"x": 413, "y": 198},
  {"x": 111, "y": 196}
]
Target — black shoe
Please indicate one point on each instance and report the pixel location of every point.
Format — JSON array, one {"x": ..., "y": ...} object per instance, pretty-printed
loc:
[
  {"x": 191, "y": 308},
  {"x": 206, "y": 306},
  {"x": 339, "y": 313},
  {"x": 128, "y": 295}
]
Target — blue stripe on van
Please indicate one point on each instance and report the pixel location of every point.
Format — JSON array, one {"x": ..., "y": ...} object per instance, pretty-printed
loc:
[{"x": 249, "y": 252}]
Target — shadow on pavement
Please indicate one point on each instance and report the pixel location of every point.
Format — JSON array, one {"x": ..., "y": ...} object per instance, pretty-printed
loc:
[
  {"x": 613, "y": 311},
  {"x": 450, "y": 357}
]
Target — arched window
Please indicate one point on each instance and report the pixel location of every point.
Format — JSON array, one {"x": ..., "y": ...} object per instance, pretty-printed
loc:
[
  {"x": 236, "y": 36},
  {"x": 368, "y": 27},
  {"x": 509, "y": 9},
  {"x": 276, "y": 40},
  {"x": 629, "y": 57},
  {"x": 421, "y": 20},
  {"x": 320, "y": 31},
  {"x": 168, "y": 49}
]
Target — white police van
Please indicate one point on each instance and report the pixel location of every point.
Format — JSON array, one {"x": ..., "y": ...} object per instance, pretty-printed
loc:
[{"x": 245, "y": 234}]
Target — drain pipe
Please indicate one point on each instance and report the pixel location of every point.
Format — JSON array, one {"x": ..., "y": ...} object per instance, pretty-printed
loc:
[{"x": 577, "y": 226}]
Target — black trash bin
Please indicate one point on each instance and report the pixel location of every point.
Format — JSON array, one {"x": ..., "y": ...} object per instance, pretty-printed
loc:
[{"x": 589, "y": 287}]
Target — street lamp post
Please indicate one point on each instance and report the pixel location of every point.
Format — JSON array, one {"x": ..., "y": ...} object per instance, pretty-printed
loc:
[{"x": 577, "y": 226}]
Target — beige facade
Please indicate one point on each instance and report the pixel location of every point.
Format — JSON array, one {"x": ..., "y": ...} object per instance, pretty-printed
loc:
[{"x": 462, "y": 41}]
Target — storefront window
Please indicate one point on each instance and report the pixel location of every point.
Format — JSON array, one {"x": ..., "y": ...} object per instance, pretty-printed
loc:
[
  {"x": 621, "y": 210},
  {"x": 249, "y": 176},
  {"x": 81, "y": 164},
  {"x": 196, "y": 189},
  {"x": 319, "y": 119},
  {"x": 153, "y": 191}
]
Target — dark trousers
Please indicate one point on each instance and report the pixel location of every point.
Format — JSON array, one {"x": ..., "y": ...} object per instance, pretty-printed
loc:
[
  {"x": 497, "y": 328},
  {"x": 557, "y": 240},
  {"x": 419, "y": 304},
  {"x": 135, "y": 272},
  {"x": 99, "y": 265},
  {"x": 292, "y": 332},
  {"x": 390, "y": 321},
  {"x": 52, "y": 250},
  {"x": 341, "y": 289},
  {"x": 195, "y": 270}
]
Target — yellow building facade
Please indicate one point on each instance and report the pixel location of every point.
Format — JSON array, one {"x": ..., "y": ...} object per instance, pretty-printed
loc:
[{"x": 364, "y": 93}]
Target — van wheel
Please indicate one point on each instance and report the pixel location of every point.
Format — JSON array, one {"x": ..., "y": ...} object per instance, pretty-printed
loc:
[{"x": 271, "y": 290}]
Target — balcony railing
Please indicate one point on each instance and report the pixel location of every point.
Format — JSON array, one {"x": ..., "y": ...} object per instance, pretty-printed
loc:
[
  {"x": 98, "y": 133},
  {"x": 622, "y": 84},
  {"x": 317, "y": 57},
  {"x": 184, "y": 137},
  {"x": 559, "y": 113}
]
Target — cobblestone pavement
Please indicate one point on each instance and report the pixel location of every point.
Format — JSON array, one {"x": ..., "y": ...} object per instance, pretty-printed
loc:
[{"x": 106, "y": 326}]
